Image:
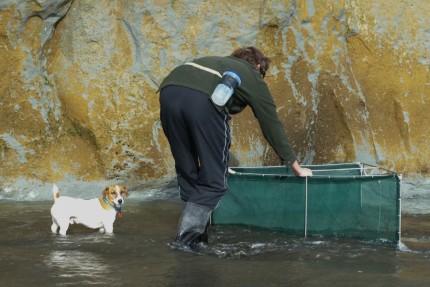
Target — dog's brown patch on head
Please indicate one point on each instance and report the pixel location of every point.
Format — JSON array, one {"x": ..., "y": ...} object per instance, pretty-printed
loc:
[{"x": 123, "y": 190}]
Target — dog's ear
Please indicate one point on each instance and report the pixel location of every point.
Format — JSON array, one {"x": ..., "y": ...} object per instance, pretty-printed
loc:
[
  {"x": 105, "y": 191},
  {"x": 124, "y": 191}
]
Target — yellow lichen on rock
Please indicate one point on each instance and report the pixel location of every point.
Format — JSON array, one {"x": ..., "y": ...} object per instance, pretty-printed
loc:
[{"x": 79, "y": 81}]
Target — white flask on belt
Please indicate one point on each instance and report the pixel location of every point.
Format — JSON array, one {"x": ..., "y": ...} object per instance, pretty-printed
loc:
[{"x": 223, "y": 91}]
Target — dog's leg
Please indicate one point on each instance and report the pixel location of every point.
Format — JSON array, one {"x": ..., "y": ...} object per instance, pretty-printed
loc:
[
  {"x": 64, "y": 225},
  {"x": 108, "y": 228},
  {"x": 54, "y": 226}
]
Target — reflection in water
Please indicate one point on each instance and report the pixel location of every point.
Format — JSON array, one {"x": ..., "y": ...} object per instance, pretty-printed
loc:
[
  {"x": 85, "y": 266},
  {"x": 138, "y": 253}
]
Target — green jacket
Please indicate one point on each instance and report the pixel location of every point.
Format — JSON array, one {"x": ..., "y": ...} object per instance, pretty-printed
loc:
[{"x": 253, "y": 91}]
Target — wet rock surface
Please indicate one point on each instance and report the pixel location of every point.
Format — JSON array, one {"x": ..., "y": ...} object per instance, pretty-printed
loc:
[{"x": 78, "y": 98}]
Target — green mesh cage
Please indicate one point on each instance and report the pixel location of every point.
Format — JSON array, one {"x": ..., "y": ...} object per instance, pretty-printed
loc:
[{"x": 341, "y": 200}]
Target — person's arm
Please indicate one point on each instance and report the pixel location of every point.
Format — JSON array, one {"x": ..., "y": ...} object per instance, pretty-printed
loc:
[
  {"x": 256, "y": 94},
  {"x": 263, "y": 107}
]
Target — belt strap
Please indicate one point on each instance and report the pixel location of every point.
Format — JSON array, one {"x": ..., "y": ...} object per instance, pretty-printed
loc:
[{"x": 204, "y": 68}]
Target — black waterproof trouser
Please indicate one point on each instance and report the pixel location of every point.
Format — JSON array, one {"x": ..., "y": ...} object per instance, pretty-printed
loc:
[{"x": 199, "y": 138}]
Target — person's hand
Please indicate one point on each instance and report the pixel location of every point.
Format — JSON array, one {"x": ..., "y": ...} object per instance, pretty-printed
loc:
[
  {"x": 299, "y": 171},
  {"x": 304, "y": 172},
  {"x": 230, "y": 171}
]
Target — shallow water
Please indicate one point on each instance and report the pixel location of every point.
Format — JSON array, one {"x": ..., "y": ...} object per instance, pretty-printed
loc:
[{"x": 138, "y": 253}]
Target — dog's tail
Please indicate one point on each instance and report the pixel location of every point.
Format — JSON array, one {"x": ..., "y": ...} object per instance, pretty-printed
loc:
[{"x": 55, "y": 191}]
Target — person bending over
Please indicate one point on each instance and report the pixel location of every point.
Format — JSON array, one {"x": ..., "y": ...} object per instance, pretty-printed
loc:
[{"x": 199, "y": 134}]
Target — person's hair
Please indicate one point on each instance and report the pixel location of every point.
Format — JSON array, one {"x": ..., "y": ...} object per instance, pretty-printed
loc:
[{"x": 253, "y": 56}]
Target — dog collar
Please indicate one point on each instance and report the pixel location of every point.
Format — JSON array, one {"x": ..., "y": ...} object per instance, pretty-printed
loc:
[{"x": 117, "y": 208}]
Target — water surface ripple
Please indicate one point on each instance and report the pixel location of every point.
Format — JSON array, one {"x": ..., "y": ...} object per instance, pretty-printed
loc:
[{"x": 138, "y": 254}]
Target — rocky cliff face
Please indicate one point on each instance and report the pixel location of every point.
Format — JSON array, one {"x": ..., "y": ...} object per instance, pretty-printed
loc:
[{"x": 351, "y": 80}]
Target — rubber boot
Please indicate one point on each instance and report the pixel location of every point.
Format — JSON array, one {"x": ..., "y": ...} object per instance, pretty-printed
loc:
[
  {"x": 192, "y": 225},
  {"x": 203, "y": 239}
]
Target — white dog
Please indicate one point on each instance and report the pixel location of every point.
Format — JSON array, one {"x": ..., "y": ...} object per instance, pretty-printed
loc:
[{"x": 93, "y": 213}]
